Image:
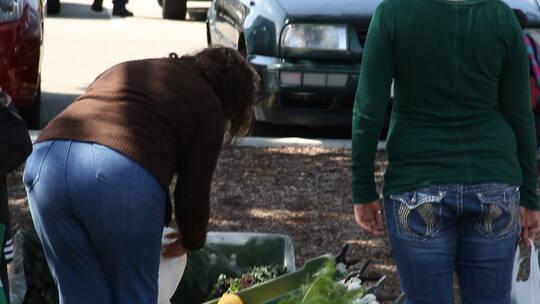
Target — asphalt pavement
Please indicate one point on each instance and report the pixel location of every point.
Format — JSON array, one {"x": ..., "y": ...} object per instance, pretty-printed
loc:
[{"x": 79, "y": 44}]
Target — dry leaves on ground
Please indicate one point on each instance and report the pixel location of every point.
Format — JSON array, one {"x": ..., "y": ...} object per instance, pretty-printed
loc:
[{"x": 303, "y": 192}]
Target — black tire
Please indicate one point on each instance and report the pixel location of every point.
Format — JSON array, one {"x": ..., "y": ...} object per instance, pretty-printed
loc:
[
  {"x": 174, "y": 9},
  {"x": 160, "y": 2},
  {"x": 32, "y": 113}
]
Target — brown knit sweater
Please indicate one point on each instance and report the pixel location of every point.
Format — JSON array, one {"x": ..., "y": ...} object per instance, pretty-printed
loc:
[{"x": 165, "y": 116}]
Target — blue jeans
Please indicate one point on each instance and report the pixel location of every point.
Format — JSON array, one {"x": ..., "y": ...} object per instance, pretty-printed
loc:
[
  {"x": 100, "y": 218},
  {"x": 469, "y": 229}
]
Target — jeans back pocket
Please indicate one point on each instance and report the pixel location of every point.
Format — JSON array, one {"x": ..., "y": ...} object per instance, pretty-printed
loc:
[
  {"x": 417, "y": 213},
  {"x": 499, "y": 211}
]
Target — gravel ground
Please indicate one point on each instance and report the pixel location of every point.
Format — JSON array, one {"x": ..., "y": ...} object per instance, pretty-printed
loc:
[{"x": 300, "y": 191}]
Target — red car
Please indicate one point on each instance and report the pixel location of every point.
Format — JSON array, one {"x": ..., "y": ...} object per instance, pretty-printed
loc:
[{"x": 21, "y": 42}]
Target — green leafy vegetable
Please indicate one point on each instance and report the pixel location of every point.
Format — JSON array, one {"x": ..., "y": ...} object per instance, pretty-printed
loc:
[
  {"x": 323, "y": 289},
  {"x": 255, "y": 275}
]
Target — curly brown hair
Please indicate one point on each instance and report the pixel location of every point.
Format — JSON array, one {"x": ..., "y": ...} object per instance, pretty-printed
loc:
[{"x": 234, "y": 81}]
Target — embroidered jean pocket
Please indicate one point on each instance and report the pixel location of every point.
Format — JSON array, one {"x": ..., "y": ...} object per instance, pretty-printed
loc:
[
  {"x": 417, "y": 213},
  {"x": 499, "y": 212}
]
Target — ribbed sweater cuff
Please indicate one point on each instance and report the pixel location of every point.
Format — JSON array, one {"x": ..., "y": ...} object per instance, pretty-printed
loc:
[
  {"x": 193, "y": 245},
  {"x": 364, "y": 197}
]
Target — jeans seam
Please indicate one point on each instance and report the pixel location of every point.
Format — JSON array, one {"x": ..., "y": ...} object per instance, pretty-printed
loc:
[
  {"x": 514, "y": 212},
  {"x": 38, "y": 171},
  {"x": 64, "y": 167},
  {"x": 475, "y": 189},
  {"x": 460, "y": 203},
  {"x": 497, "y": 238}
]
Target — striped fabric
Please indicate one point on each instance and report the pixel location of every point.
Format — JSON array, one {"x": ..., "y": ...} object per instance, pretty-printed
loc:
[
  {"x": 535, "y": 69},
  {"x": 532, "y": 50},
  {"x": 8, "y": 250}
]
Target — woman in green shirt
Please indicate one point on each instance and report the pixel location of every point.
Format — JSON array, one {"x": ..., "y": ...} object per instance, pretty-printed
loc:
[{"x": 461, "y": 145}]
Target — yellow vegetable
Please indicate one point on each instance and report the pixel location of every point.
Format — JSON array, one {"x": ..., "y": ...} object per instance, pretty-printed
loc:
[{"x": 230, "y": 298}]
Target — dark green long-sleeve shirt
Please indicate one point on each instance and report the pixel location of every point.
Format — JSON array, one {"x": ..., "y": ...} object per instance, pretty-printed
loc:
[{"x": 461, "y": 108}]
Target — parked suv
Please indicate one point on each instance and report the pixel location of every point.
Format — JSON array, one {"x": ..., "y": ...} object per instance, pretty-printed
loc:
[{"x": 307, "y": 52}]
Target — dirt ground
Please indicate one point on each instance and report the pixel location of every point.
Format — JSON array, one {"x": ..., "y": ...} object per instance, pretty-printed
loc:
[{"x": 303, "y": 192}]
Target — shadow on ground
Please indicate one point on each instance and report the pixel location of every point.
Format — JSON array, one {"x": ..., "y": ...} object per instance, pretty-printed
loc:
[{"x": 79, "y": 11}]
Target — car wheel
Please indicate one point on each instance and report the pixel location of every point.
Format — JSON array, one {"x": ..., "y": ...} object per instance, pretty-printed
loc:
[
  {"x": 174, "y": 9},
  {"x": 32, "y": 113}
]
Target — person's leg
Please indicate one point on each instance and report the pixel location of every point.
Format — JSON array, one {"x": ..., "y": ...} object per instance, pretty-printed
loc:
[
  {"x": 97, "y": 5},
  {"x": 487, "y": 237},
  {"x": 421, "y": 228},
  {"x": 123, "y": 217},
  {"x": 119, "y": 9},
  {"x": 70, "y": 254}
]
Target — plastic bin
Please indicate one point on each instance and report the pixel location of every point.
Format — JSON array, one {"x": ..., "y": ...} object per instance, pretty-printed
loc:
[
  {"x": 273, "y": 291},
  {"x": 231, "y": 253}
]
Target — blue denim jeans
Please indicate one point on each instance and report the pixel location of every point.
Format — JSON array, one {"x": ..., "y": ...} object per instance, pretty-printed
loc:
[
  {"x": 100, "y": 218},
  {"x": 467, "y": 229}
]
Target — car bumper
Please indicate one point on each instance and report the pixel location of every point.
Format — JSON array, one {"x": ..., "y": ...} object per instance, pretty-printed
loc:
[
  {"x": 305, "y": 93},
  {"x": 20, "y": 47}
]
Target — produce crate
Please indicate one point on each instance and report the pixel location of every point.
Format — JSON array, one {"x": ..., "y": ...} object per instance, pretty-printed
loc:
[
  {"x": 231, "y": 253},
  {"x": 270, "y": 292},
  {"x": 273, "y": 291}
]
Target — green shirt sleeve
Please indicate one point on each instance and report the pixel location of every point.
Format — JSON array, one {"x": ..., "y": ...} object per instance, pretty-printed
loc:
[
  {"x": 514, "y": 97},
  {"x": 371, "y": 100}
]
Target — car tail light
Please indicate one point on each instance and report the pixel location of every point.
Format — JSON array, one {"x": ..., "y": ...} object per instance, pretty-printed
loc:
[{"x": 9, "y": 10}]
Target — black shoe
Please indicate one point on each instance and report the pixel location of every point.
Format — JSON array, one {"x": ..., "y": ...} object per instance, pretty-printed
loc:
[
  {"x": 97, "y": 6},
  {"x": 121, "y": 12}
]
